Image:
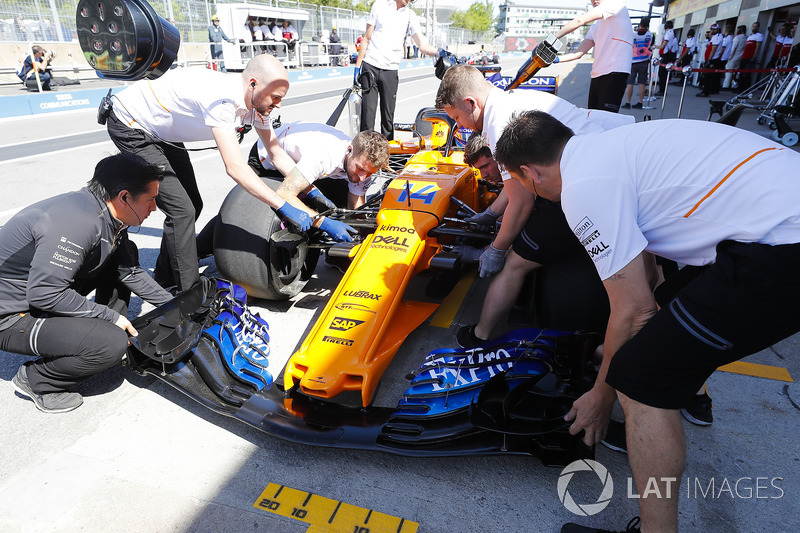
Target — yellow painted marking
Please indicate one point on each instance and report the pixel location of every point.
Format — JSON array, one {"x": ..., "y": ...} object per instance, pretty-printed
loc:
[
  {"x": 443, "y": 317},
  {"x": 760, "y": 371},
  {"x": 326, "y": 515}
]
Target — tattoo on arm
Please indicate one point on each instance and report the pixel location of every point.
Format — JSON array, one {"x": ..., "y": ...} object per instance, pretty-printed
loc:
[
  {"x": 293, "y": 184},
  {"x": 619, "y": 276}
]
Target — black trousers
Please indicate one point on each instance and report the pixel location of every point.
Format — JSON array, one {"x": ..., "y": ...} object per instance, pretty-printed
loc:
[
  {"x": 71, "y": 349},
  {"x": 384, "y": 86},
  {"x": 606, "y": 91},
  {"x": 178, "y": 197},
  {"x": 667, "y": 58}
]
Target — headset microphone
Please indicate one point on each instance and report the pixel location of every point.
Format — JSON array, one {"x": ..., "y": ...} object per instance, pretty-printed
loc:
[{"x": 125, "y": 199}]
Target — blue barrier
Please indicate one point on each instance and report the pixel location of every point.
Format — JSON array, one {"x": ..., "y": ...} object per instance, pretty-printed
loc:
[{"x": 37, "y": 103}]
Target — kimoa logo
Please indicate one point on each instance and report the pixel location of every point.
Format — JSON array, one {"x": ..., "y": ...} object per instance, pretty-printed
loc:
[
  {"x": 586, "y": 509},
  {"x": 397, "y": 229}
]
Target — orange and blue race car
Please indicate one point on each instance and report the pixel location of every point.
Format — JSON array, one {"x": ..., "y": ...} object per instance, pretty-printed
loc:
[{"x": 506, "y": 396}]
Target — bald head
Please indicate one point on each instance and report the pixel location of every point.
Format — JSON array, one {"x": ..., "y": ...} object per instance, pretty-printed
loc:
[
  {"x": 459, "y": 82},
  {"x": 265, "y": 82},
  {"x": 265, "y": 68}
]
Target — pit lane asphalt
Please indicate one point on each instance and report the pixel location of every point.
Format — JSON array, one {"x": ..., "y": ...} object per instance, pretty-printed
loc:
[{"x": 140, "y": 456}]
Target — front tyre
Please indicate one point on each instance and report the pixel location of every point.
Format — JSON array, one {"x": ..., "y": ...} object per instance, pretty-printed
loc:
[{"x": 252, "y": 248}]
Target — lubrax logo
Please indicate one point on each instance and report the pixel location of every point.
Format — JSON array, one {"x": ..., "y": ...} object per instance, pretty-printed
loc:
[
  {"x": 396, "y": 229},
  {"x": 337, "y": 340},
  {"x": 344, "y": 324},
  {"x": 362, "y": 294}
]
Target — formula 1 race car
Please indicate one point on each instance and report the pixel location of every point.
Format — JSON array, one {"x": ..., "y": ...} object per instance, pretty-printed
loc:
[
  {"x": 481, "y": 57},
  {"x": 507, "y": 395}
]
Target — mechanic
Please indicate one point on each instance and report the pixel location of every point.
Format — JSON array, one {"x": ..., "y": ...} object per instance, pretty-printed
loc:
[
  {"x": 546, "y": 239},
  {"x": 56, "y": 251},
  {"x": 612, "y": 39},
  {"x": 153, "y": 118},
  {"x": 327, "y": 160},
  {"x": 475, "y": 103},
  {"x": 622, "y": 195},
  {"x": 324, "y": 153},
  {"x": 380, "y": 51},
  {"x": 215, "y": 36}
]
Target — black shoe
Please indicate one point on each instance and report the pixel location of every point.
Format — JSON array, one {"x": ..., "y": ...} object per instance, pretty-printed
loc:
[
  {"x": 637, "y": 106},
  {"x": 615, "y": 437},
  {"x": 625, "y": 106},
  {"x": 698, "y": 412},
  {"x": 466, "y": 338},
  {"x": 53, "y": 402},
  {"x": 702, "y": 94},
  {"x": 632, "y": 527}
]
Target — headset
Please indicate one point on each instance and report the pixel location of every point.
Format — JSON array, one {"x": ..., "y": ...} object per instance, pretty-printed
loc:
[{"x": 125, "y": 199}]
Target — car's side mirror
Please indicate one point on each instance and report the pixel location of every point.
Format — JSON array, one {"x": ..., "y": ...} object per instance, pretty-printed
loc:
[{"x": 126, "y": 39}]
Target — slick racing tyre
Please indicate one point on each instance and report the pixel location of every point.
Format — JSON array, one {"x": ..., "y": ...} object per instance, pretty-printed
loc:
[{"x": 252, "y": 248}]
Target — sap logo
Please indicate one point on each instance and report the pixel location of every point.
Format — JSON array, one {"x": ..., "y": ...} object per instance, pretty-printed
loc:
[
  {"x": 411, "y": 192},
  {"x": 337, "y": 340},
  {"x": 346, "y": 306},
  {"x": 582, "y": 227},
  {"x": 344, "y": 324},
  {"x": 362, "y": 294},
  {"x": 387, "y": 239},
  {"x": 595, "y": 250},
  {"x": 396, "y": 229}
]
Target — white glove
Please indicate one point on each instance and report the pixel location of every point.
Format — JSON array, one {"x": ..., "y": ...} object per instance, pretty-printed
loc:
[{"x": 491, "y": 261}]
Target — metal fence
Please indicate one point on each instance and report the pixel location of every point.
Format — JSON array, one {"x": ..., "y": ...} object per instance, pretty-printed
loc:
[{"x": 54, "y": 20}]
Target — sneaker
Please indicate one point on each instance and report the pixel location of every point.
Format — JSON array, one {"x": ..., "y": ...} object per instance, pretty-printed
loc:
[
  {"x": 53, "y": 402},
  {"x": 626, "y": 106},
  {"x": 615, "y": 437},
  {"x": 698, "y": 412},
  {"x": 466, "y": 338},
  {"x": 632, "y": 527},
  {"x": 637, "y": 106}
]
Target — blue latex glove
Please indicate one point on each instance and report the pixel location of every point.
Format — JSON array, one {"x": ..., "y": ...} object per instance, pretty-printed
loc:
[
  {"x": 319, "y": 201},
  {"x": 491, "y": 261},
  {"x": 356, "y": 76},
  {"x": 556, "y": 60},
  {"x": 338, "y": 230},
  {"x": 299, "y": 218}
]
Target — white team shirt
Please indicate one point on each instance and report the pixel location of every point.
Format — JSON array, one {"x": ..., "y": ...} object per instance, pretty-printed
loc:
[
  {"x": 385, "y": 48},
  {"x": 623, "y": 193},
  {"x": 716, "y": 39},
  {"x": 613, "y": 39},
  {"x": 727, "y": 43},
  {"x": 501, "y": 105},
  {"x": 669, "y": 36},
  {"x": 319, "y": 151},
  {"x": 184, "y": 104}
]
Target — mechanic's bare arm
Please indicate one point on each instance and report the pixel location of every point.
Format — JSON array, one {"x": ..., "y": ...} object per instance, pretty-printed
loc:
[
  {"x": 364, "y": 44},
  {"x": 500, "y": 203},
  {"x": 354, "y": 201},
  {"x": 584, "y": 47},
  {"x": 632, "y": 305},
  {"x": 240, "y": 171},
  {"x": 590, "y": 16},
  {"x": 423, "y": 45},
  {"x": 520, "y": 205},
  {"x": 293, "y": 184}
]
